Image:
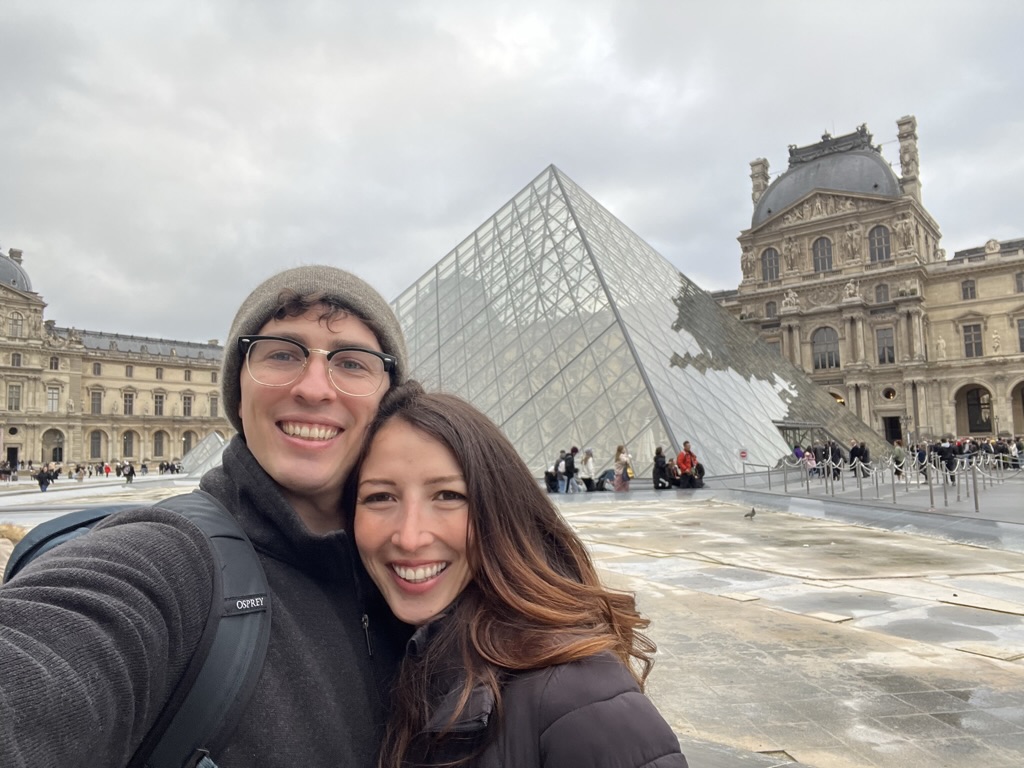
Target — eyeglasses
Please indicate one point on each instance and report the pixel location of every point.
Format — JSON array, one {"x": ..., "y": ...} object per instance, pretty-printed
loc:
[{"x": 277, "y": 362}]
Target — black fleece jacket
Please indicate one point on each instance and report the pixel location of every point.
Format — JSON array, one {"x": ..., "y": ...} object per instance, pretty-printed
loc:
[{"x": 95, "y": 635}]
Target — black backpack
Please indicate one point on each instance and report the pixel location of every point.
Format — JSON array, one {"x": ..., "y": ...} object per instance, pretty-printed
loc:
[{"x": 221, "y": 676}]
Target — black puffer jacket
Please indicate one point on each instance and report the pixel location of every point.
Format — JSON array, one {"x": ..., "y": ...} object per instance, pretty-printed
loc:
[{"x": 586, "y": 713}]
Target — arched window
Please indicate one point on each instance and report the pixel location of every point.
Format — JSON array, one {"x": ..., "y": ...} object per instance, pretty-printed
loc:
[
  {"x": 881, "y": 293},
  {"x": 769, "y": 264},
  {"x": 878, "y": 244},
  {"x": 825, "y": 348},
  {"x": 159, "y": 444},
  {"x": 968, "y": 290},
  {"x": 979, "y": 410},
  {"x": 771, "y": 309},
  {"x": 95, "y": 444},
  {"x": 16, "y": 360},
  {"x": 822, "y": 250}
]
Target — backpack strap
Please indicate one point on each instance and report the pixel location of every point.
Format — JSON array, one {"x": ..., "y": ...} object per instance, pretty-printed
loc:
[{"x": 207, "y": 705}]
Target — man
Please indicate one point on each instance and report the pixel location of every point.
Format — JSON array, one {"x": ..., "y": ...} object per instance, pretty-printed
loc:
[
  {"x": 572, "y": 485},
  {"x": 95, "y": 635},
  {"x": 559, "y": 472},
  {"x": 690, "y": 475}
]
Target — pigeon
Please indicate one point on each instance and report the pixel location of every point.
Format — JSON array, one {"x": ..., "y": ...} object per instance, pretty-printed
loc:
[{"x": 751, "y": 513}]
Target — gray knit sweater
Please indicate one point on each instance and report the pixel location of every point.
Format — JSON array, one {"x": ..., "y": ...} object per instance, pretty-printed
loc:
[{"x": 95, "y": 635}]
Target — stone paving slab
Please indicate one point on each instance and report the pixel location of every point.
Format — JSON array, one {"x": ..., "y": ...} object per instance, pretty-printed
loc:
[{"x": 785, "y": 653}]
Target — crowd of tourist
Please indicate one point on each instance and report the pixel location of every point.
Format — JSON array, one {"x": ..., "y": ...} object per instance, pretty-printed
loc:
[
  {"x": 948, "y": 453},
  {"x": 47, "y": 474},
  {"x": 573, "y": 471}
]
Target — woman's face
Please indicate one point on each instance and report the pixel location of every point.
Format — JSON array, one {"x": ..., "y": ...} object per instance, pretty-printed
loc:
[{"x": 412, "y": 522}]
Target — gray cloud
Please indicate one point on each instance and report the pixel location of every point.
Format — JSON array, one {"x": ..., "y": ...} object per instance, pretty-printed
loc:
[{"x": 159, "y": 159}]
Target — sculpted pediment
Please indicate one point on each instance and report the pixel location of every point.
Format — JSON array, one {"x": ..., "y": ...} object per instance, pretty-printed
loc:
[
  {"x": 12, "y": 296},
  {"x": 972, "y": 316},
  {"x": 819, "y": 205}
]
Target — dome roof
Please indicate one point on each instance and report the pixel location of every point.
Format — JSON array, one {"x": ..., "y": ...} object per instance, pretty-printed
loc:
[
  {"x": 862, "y": 171},
  {"x": 13, "y": 274}
]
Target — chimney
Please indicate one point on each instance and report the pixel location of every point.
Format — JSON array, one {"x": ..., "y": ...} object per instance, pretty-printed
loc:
[
  {"x": 910, "y": 181},
  {"x": 759, "y": 178}
]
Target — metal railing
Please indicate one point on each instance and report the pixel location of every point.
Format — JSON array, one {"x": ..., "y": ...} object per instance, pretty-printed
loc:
[{"x": 965, "y": 475}]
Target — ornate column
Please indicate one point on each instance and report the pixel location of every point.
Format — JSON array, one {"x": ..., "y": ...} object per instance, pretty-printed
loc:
[
  {"x": 1002, "y": 408},
  {"x": 847, "y": 345},
  {"x": 859, "y": 338},
  {"x": 917, "y": 334},
  {"x": 903, "y": 340},
  {"x": 795, "y": 347},
  {"x": 865, "y": 404}
]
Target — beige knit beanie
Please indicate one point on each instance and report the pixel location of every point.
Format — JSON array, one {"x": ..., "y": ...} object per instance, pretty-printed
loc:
[{"x": 330, "y": 283}]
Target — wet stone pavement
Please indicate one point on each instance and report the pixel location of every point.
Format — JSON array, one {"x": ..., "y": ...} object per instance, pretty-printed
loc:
[
  {"x": 788, "y": 639},
  {"x": 796, "y": 637}
]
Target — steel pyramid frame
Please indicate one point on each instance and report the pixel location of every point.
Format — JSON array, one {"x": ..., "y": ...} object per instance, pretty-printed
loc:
[{"x": 566, "y": 328}]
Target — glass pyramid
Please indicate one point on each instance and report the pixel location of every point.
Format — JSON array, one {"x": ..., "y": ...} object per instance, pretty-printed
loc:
[{"x": 566, "y": 328}]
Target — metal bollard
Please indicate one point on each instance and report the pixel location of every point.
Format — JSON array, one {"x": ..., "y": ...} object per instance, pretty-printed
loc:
[
  {"x": 931, "y": 488},
  {"x": 974, "y": 479}
]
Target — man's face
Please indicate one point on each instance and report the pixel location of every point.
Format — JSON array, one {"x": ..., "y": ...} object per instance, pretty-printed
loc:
[
  {"x": 306, "y": 435},
  {"x": 686, "y": 446}
]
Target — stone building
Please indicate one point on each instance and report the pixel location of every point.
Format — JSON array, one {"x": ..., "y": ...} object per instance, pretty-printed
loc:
[
  {"x": 844, "y": 275},
  {"x": 76, "y": 396}
]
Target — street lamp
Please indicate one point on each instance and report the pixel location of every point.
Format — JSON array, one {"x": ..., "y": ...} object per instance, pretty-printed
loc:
[{"x": 905, "y": 425}]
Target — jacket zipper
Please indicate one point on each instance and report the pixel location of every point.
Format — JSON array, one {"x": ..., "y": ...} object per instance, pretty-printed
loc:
[{"x": 366, "y": 631}]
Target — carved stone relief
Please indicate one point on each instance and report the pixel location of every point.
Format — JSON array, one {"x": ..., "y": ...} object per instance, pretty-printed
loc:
[
  {"x": 791, "y": 251},
  {"x": 748, "y": 262},
  {"x": 822, "y": 296},
  {"x": 851, "y": 243}
]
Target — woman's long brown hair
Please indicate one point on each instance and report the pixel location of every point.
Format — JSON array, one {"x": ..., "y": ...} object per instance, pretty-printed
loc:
[{"x": 535, "y": 599}]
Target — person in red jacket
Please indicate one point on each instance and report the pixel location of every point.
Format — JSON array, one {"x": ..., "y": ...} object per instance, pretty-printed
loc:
[{"x": 690, "y": 474}]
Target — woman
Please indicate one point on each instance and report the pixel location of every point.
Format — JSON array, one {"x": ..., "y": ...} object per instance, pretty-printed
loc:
[
  {"x": 899, "y": 457},
  {"x": 810, "y": 463},
  {"x": 623, "y": 462},
  {"x": 587, "y": 469},
  {"x": 516, "y": 638}
]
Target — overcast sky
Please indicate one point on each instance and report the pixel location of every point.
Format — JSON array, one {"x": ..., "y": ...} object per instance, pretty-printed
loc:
[{"x": 159, "y": 158}]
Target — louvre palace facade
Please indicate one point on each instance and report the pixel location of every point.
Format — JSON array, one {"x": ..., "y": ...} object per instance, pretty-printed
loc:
[
  {"x": 76, "y": 396},
  {"x": 844, "y": 276}
]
